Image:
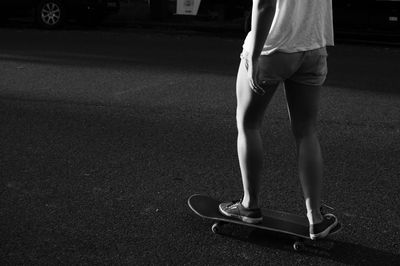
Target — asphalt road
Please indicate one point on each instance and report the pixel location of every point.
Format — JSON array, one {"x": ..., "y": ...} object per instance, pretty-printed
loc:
[{"x": 106, "y": 133}]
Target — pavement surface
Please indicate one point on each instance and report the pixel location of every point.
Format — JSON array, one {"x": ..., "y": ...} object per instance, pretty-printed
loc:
[{"x": 106, "y": 133}]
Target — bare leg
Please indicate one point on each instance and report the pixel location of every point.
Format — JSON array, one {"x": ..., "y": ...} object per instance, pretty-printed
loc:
[
  {"x": 303, "y": 110},
  {"x": 249, "y": 114}
]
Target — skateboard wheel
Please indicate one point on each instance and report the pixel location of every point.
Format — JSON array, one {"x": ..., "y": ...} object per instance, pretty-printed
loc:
[
  {"x": 298, "y": 246},
  {"x": 216, "y": 228}
]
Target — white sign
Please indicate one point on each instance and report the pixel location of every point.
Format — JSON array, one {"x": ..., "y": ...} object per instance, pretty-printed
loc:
[{"x": 187, "y": 7}]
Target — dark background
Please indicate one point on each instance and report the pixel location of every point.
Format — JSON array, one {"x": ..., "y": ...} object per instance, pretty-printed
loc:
[{"x": 106, "y": 131}]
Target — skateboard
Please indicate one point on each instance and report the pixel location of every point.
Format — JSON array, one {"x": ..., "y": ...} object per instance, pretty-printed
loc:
[{"x": 276, "y": 221}]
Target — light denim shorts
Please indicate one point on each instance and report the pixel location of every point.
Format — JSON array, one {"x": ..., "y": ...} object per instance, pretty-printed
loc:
[{"x": 307, "y": 68}]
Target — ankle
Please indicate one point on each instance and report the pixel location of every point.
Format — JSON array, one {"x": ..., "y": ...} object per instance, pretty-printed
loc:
[
  {"x": 249, "y": 204},
  {"x": 314, "y": 216}
]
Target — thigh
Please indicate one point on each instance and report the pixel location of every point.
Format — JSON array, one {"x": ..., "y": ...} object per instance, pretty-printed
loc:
[
  {"x": 303, "y": 105},
  {"x": 251, "y": 106}
]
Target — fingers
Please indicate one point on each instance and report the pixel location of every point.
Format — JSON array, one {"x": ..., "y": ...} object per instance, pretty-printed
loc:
[
  {"x": 252, "y": 75},
  {"x": 256, "y": 87}
]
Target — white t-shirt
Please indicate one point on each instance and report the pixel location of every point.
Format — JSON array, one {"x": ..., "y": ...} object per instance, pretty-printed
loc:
[{"x": 299, "y": 25}]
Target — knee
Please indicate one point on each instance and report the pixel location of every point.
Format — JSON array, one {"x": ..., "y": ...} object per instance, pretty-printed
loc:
[{"x": 247, "y": 123}]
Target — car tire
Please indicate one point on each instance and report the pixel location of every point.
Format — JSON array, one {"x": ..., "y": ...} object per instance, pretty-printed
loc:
[{"x": 50, "y": 14}]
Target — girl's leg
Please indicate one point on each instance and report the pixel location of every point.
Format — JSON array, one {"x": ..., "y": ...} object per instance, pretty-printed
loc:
[
  {"x": 249, "y": 114},
  {"x": 303, "y": 103}
]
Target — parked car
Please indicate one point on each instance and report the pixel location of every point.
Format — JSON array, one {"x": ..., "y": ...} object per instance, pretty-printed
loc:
[{"x": 52, "y": 14}]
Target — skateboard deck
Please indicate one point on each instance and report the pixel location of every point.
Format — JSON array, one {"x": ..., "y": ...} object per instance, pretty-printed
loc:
[{"x": 277, "y": 221}]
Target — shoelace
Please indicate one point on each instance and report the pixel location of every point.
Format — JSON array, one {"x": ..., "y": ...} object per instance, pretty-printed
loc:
[{"x": 234, "y": 203}]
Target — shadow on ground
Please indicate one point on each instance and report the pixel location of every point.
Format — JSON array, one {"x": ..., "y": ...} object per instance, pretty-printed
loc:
[
  {"x": 359, "y": 67},
  {"x": 336, "y": 250}
]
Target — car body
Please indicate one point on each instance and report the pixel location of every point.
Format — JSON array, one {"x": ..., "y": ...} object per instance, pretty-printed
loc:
[
  {"x": 53, "y": 13},
  {"x": 367, "y": 14},
  {"x": 348, "y": 14}
]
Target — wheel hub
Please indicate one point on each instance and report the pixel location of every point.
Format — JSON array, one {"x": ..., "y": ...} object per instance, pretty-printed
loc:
[{"x": 51, "y": 13}]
